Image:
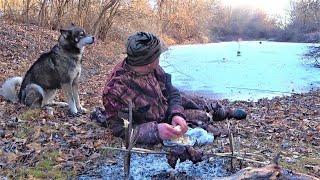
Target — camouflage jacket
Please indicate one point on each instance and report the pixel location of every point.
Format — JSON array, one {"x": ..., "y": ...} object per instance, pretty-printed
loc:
[{"x": 154, "y": 100}]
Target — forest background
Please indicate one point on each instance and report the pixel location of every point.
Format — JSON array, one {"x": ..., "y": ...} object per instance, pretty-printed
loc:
[{"x": 177, "y": 22}]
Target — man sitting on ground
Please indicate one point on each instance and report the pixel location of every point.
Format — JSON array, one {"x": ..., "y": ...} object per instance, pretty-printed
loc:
[{"x": 157, "y": 107}]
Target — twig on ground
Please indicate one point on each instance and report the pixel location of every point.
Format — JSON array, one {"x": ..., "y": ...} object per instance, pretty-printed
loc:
[
  {"x": 136, "y": 150},
  {"x": 239, "y": 152},
  {"x": 231, "y": 140},
  {"x": 237, "y": 157},
  {"x": 277, "y": 158}
]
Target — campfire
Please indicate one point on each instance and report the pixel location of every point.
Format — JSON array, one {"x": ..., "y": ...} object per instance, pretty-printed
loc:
[{"x": 174, "y": 154}]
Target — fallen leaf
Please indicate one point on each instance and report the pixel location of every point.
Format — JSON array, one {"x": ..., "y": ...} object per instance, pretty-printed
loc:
[{"x": 35, "y": 146}]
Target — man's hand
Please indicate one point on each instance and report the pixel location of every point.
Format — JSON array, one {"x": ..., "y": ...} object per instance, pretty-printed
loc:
[
  {"x": 167, "y": 131},
  {"x": 178, "y": 120}
]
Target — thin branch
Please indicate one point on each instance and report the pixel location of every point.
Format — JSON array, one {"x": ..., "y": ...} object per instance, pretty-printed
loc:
[
  {"x": 147, "y": 151},
  {"x": 231, "y": 140},
  {"x": 134, "y": 137},
  {"x": 237, "y": 157},
  {"x": 136, "y": 150},
  {"x": 129, "y": 144}
]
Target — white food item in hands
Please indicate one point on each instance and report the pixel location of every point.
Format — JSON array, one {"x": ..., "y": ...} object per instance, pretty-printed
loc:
[{"x": 178, "y": 128}]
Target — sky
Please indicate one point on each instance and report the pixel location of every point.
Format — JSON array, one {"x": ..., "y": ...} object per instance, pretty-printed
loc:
[{"x": 272, "y": 7}]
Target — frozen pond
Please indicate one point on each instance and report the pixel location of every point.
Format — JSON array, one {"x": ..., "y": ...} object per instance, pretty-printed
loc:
[{"x": 263, "y": 70}]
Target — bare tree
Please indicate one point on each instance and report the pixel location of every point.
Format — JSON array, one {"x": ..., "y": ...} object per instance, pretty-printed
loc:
[
  {"x": 102, "y": 13},
  {"x": 3, "y": 6},
  {"x": 42, "y": 12},
  {"x": 305, "y": 15},
  {"x": 108, "y": 21},
  {"x": 27, "y": 9},
  {"x": 61, "y": 6},
  {"x": 313, "y": 54},
  {"x": 177, "y": 20}
]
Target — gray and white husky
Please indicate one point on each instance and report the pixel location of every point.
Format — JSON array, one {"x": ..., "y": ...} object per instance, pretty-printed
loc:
[{"x": 58, "y": 69}]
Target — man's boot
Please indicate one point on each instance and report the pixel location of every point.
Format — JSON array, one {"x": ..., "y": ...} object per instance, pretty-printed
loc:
[
  {"x": 236, "y": 114},
  {"x": 217, "y": 112}
]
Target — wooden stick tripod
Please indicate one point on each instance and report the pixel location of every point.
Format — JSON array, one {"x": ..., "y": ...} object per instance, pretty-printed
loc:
[{"x": 131, "y": 137}]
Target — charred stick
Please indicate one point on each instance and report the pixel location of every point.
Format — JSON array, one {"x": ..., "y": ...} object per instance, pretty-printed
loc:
[
  {"x": 129, "y": 144},
  {"x": 126, "y": 163}
]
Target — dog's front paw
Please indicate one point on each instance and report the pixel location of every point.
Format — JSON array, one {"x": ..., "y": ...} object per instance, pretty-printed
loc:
[
  {"x": 73, "y": 114},
  {"x": 83, "y": 110},
  {"x": 60, "y": 104},
  {"x": 73, "y": 111}
]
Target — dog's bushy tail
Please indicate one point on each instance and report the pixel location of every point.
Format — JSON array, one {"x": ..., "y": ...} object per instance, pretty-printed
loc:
[
  {"x": 8, "y": 89},
  {"x": 33, "y": 95}
]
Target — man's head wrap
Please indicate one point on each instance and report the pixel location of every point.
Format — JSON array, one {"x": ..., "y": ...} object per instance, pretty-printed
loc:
[{"x": 142, "y": 48}]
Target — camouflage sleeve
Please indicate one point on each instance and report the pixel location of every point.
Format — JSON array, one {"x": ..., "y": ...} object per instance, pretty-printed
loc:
[
  {"x": 148, "y": 133},
  {"x": 174, "y": 98},
  {"x": 112, "y": 106}
]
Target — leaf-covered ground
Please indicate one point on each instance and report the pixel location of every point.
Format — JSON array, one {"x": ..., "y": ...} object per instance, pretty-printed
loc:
[{"x": 36, "y": 144}]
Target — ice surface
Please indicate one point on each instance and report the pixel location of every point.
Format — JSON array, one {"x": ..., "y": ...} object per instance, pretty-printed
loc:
[{"x": 262, "y": 71}]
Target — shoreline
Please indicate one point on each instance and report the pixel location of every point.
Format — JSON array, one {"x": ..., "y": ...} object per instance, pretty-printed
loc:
[{"x": 194, "y": 94}]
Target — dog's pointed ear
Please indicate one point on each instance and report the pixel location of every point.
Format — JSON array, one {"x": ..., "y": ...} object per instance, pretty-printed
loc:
[{"x": 65, "y": 32}]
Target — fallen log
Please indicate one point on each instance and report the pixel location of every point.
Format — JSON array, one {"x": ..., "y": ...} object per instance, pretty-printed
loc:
[{"x": 272, "y": 171}]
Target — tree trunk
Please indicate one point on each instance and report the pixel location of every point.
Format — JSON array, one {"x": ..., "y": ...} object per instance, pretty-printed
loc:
[
  {"x": 79, "y": 13},
  {"x": 3, "y": 4},
  {"x": 27, "y": 11},
  {"x": 96, "y": 25},
  {"x": 60, "y": 12},
  {"x": 41, "y": 12},
  {"x": 160, "y": 15},
  {"x": 109, "y": 21}
]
